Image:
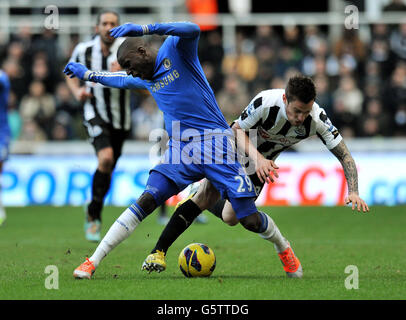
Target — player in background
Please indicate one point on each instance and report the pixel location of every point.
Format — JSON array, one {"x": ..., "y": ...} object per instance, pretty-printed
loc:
[
  {"x": 281, "y": 118},
  {"x": 107, "y": 114},
  {"x": 4, "y": 131},
  {"x": 176, "y": 80}
]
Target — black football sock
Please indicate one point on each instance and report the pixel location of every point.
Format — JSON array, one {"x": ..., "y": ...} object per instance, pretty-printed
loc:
[
  {"x": 100, "y": 187},
  {"x": 181, "y": 219},
  {"x": 217, "y": 208},
  {"x": 163, "y": 212}
]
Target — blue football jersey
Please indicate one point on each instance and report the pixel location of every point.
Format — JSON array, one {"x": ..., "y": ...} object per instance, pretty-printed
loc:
[{"x": 179, "y": 85}]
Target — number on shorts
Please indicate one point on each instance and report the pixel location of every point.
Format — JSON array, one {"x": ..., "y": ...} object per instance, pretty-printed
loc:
[{"x": 241, "y": 186}]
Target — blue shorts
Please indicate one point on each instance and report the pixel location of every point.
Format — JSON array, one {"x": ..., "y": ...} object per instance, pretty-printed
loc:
[
  {"x": 228, "y": 177},
  {"x": 4, "y": 148}
]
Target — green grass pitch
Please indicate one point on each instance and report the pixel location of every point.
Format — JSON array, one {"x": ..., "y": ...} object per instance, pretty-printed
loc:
[{"x": 326, "y": 240}]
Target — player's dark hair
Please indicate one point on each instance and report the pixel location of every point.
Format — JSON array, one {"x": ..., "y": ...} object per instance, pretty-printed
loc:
[
  {"x": 104, "y": 11},
  {"x": 300, "y": 88}
]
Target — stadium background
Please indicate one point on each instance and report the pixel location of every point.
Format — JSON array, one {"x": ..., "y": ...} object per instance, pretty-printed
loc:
[{"x": 245, "y": 47}]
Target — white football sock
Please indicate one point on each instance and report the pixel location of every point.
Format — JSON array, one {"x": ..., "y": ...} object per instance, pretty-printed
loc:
[
  {"x": 118, "y": 232},
  {"x": 273, "y": 234}
]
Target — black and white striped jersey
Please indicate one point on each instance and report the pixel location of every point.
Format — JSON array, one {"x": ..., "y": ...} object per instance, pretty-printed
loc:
[
  {"x": 109, "y": 104},
  {"x": 267, "y": 113}
]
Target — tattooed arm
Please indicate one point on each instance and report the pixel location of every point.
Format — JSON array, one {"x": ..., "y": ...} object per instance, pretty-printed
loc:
[{"x": 350, "y": 171}]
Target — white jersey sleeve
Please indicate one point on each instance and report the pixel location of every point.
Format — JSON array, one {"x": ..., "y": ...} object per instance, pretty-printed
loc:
[
  {"x": 326, "y": 131},
  {"x": 258, "y": 109}
]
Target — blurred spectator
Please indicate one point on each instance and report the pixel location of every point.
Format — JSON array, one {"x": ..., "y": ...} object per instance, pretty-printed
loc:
[
  {"x": 292, "y": 39},
  {"x": 380, "y": 31},
  {"x": 375, "y": 120},
  {"x": 350, "y": 44},
  {"x": 372, "y": 71},
  {"x": 146, "y": 118},
  {"x": 18, "y": 78},
  {"x": 233, "y": 98},
  {"x": 395, "y": 5},
  {"x": 347, "y": 106},
  {"x": 14, "y": 118},
  {"x": 32, "y": 132},
  {"x": 40, "y": 72},
  {"x": 68, "y": 112},
  {"x": 286, "y": 59},
  {"x": 381, "y": 54},
  {"x": 314, "y": 41},
  {"x": 398, "y": 41},
  {"x": 372, "y": 89},
  {"x": 266, "y": 56},
  {"x": 65, "y": 101},
  {"x": 62, "y": 127},
  {"x": 266, "y": 36},
  {"x": 351, "y": 52},
  {"x": 244, "y": 62},
  {"x": 400, "y": 120},
  {"x": 395, "y": 91},
  {"x": 211, "y": 54},
  {"x": 214, "y": 78},
  {"x": 211, "y": 48},
  {"x": 38, "y": 106},
  {"x": 324, "y": 97},
  {"x": 47, "y": 43},
  {"x": 350, "y": 96}
]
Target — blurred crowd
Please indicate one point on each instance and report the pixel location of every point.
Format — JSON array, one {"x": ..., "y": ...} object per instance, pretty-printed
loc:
[{"x": 360, "y": 84}]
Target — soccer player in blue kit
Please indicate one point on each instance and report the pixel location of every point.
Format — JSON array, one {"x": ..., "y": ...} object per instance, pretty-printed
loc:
[
  {"x": 4, "y": 130},
  {"x": 175, "y": 79}
]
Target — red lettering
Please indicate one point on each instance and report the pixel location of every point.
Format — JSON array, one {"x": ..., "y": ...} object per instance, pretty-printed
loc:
[
  {"x": 270, "y": 199},
  {"x": 304, "y": 198}
]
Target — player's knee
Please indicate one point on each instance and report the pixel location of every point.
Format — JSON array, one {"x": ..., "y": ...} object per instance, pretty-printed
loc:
[
  {"x": 106, "y": 163},
  {"x": 231, "y": 221},
  {"x": 106, "y": 160},
  {"x": 147, "y": 202},
  {"x": 252, "y": 222},
  {"x": 228, "y": 216},
  {"x": 205, "y": 198}
]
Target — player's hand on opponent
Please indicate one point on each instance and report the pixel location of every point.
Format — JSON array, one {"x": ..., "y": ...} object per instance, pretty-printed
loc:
[
  {"x": 74, "y": 69},
  {"x": 127, "y": 30},
  {"x": 265, "y": 168},
  {"x": 356, "y": 202}
]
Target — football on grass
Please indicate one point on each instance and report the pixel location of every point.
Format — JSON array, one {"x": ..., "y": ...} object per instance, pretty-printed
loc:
[{"x": 197, "y": 260}]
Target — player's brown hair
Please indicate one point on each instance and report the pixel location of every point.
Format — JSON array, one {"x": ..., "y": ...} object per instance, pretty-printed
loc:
[{"x": 300, "y": 88}]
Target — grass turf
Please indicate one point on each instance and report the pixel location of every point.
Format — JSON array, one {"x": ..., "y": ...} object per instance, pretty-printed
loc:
[{"x": 326, "y": 240}]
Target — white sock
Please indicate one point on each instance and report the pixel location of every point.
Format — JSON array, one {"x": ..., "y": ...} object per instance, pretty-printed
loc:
[
  {"x": 273, "y": 234},
  {"x": 118, "y": 232}
]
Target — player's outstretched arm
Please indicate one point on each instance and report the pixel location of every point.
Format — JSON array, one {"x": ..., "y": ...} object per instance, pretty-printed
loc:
[
  {"x": 350, "y": 171},
  {"x": 263, "y": 166},
  {"x": 180, "y": 29},
  {"x": 110, "y": 79}
]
